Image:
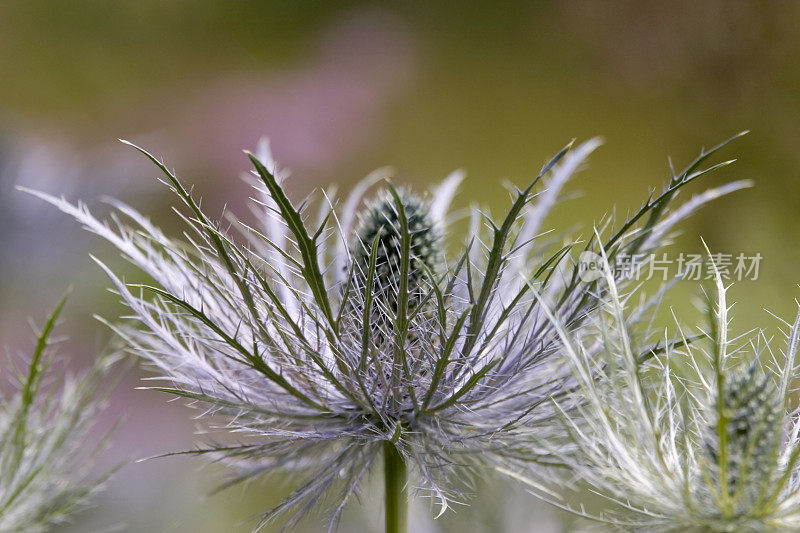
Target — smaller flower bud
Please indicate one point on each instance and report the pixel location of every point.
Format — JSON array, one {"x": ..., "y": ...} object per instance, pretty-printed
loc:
[{"x": 752, "y": 410}]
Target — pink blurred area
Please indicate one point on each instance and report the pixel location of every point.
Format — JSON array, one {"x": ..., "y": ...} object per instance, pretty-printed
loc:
[{"x": 319, "y": 114}]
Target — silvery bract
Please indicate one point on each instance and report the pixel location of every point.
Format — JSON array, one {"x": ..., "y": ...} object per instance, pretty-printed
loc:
[
  {"x": 702, "y": 437},
  {"x": 325, "y": 341},
  {"x": 45, "y": 446}
]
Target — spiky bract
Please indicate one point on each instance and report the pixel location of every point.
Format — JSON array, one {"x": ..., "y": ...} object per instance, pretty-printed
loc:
[
  {"x": 312, "y": 343},
  {"x": 45, "y": 447}
]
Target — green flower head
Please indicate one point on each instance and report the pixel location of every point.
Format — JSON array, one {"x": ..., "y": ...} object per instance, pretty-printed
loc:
[{"x": 381, "y": 226}]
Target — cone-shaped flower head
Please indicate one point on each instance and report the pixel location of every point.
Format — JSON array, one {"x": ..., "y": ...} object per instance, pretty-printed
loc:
[
  {"x": 330, "y": 339},
  {"x": 752, "y": 416},
  {"x": 382, "y": 225}
]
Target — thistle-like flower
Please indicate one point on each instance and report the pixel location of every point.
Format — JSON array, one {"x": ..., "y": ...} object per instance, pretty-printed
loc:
[
  {"x": 327, "y": 344},
  {"x": 44, "y": 451},
  {"x": 700, "y": 436}
]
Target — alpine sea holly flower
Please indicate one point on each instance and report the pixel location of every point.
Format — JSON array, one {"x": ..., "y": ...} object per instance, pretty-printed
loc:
[
  {"x": 328, "y": 344},
  {"x": 45, "y": 455},
  {"x": 701, "y": 437}
]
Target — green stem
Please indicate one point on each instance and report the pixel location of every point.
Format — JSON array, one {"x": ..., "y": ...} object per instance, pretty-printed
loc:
[{"x": 394, "y": 467}]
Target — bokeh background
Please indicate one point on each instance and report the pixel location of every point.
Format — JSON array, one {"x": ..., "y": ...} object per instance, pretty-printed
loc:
[{"x": 342, "y": 88}]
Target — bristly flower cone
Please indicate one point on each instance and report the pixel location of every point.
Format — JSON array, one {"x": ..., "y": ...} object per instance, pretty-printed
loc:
[
  {"x": 752, "y": 408},
  {"x": 380, "y": 225}
]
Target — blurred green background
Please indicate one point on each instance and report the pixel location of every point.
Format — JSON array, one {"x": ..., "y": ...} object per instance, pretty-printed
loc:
[{"x": 342, "y": 88}]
